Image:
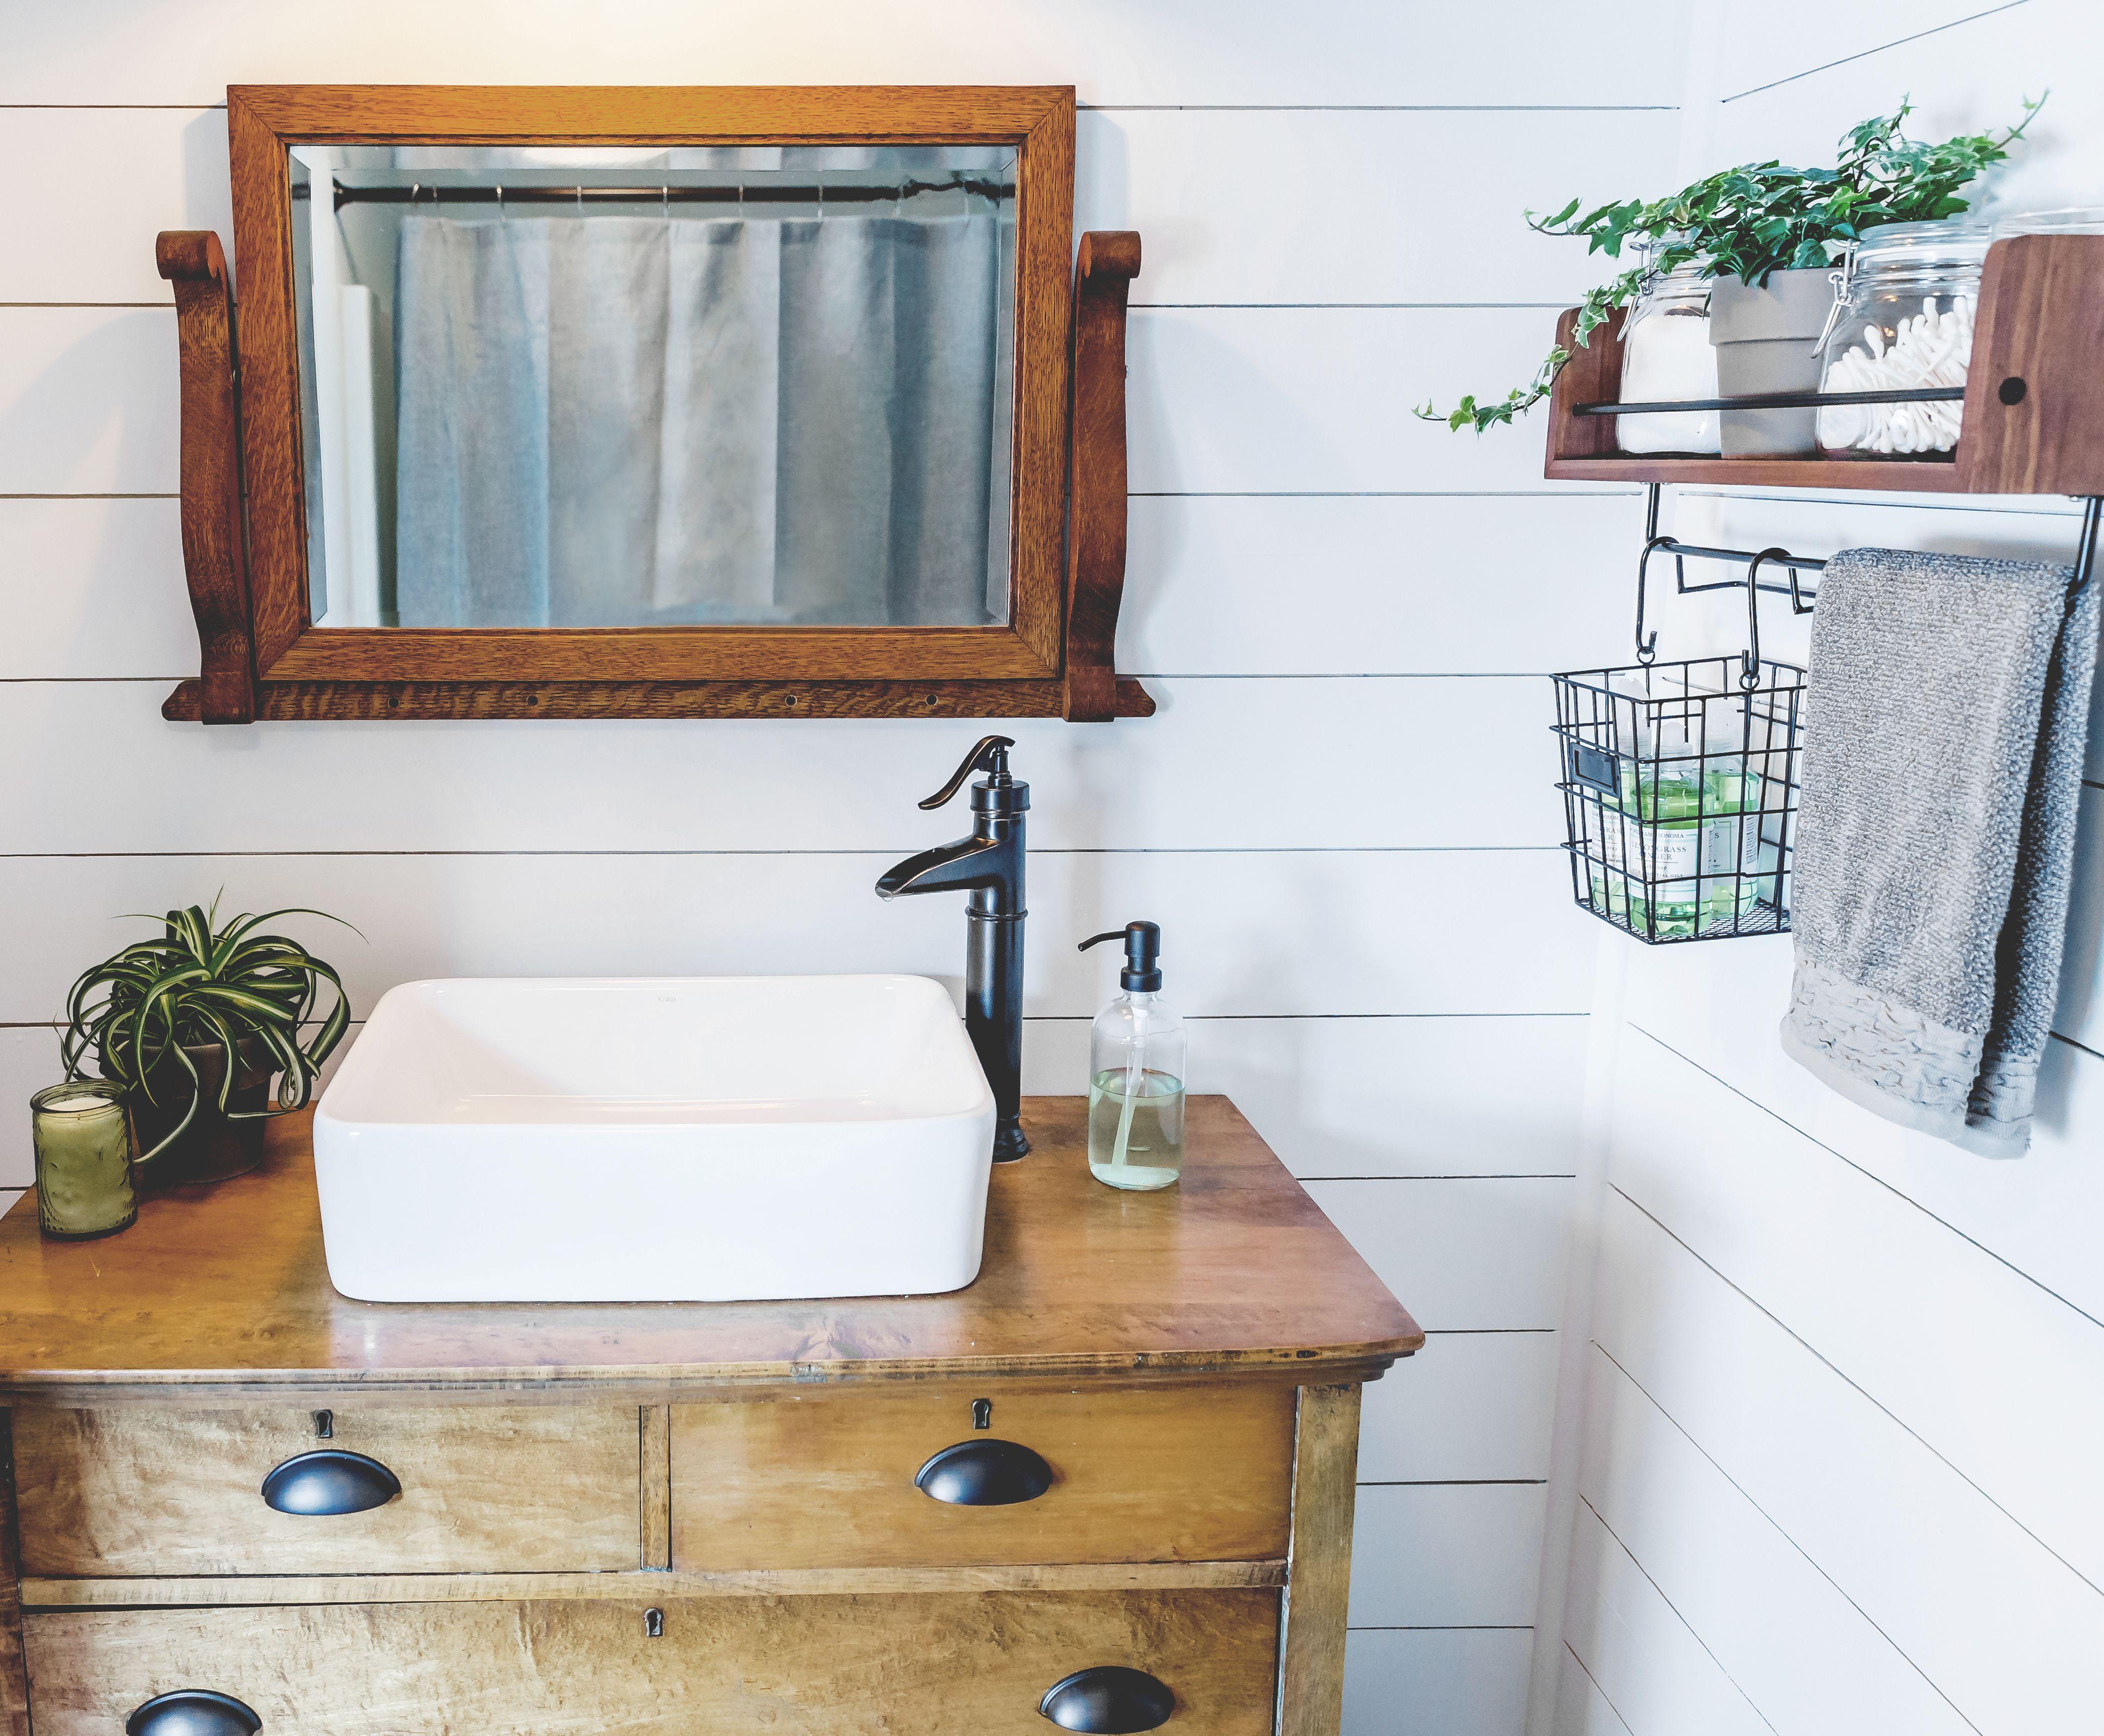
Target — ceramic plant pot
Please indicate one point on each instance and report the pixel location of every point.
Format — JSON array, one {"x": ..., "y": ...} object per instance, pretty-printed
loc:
[
  {"x": 1767, "y": 340},
  {"x": 213, "y": 1146}
]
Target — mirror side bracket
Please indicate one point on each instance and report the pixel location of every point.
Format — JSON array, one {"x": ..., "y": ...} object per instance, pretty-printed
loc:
[
  {"x": 1090, "y": 691},
  {"x": 215, "y": 541}
]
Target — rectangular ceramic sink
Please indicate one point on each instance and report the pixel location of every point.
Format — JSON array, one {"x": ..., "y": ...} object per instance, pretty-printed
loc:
[{"x": 656, "y": 1139}]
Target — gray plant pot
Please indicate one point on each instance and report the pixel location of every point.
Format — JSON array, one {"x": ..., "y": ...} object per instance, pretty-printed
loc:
[{"x": 1766, "y": 341}]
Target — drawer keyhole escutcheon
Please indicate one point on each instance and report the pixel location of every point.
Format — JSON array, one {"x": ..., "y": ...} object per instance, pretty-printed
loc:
[
  {"x": 327, "y": 1483},
  {"x": 193, "y": 1711},
  {"x": 653, "y": 1624},
  {"x": 982, "y": 1413},
  {"x": 1109, "y": 1700},
  {"x": 984, "y": 1473},
  {"x": 324, "y": 1424}
]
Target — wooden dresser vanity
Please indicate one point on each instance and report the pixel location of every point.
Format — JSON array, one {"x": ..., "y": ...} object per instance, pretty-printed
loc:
[{"x": 1125, "y": 1455}]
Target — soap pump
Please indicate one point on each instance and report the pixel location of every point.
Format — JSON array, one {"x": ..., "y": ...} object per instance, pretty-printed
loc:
[{"x": 1136, "y": 1072}]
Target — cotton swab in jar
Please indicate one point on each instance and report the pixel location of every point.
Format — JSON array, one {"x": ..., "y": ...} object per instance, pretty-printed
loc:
[{"x": 1932, "y": 348}]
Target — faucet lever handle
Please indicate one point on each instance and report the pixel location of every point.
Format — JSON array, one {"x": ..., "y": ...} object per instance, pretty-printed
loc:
[{"x": 990, "y": 755}]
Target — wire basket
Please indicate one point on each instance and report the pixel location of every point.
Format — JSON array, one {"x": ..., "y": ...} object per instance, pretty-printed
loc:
[{"x": 1680, "y": 788}]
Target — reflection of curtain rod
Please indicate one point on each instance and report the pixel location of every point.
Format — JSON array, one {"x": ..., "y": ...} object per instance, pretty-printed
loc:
[{"x": 731, "y": 193}]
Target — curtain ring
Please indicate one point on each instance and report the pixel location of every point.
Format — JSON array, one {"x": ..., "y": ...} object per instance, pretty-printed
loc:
[
  {"x": 502, "y": 215},
  {"x": 665, "y": 201},
  {"x": 822, "y": 198}
]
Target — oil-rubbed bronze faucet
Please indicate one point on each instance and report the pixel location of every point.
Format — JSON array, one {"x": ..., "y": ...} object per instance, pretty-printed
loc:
[{"x": 987, "y": 868}]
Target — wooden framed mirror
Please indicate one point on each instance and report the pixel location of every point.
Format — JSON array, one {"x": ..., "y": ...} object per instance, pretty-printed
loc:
[{"x": 595, "y": 401}]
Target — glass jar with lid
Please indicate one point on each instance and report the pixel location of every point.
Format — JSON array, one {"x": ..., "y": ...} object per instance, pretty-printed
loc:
[
  {"x": 1666, "y": 356},
  {"x": 1903, "y": 320}
]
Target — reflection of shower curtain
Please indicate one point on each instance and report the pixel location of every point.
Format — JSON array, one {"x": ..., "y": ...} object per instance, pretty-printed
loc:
[{"x": 624, "y": 422}]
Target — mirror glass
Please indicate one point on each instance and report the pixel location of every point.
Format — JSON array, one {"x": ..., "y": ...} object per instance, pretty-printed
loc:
[{"x": 570, "y": 387}]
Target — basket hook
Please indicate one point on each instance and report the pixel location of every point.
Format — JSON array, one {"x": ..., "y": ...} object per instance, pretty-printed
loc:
[
  {"x": 1749, "y": 659},
  {"x": 1647, "y": 643}
]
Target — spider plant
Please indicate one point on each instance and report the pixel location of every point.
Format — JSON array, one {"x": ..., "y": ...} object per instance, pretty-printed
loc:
[{"x": 197, "y": 985}]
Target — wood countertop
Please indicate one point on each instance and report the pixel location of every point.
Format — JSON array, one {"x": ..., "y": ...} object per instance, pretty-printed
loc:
[{"x": 222, "y": 1291}]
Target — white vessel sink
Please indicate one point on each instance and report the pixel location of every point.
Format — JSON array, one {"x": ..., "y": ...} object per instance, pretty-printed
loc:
[{"x": 656, "y": 1139}]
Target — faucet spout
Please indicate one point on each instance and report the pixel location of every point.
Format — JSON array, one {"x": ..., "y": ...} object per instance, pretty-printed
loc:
[{"x": 969, "y": 864}]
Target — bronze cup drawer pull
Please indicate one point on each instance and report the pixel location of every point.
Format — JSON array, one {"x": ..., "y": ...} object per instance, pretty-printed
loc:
[
  {"x": 330, "y": 1481},
  {"x": 984, "y": 1473},
  {"x": 1109, "y": 1700},
  {"x": 193, "y": 1711}
]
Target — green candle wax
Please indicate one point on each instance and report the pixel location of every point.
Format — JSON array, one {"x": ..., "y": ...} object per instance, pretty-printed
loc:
[{"x": 83, "y": 1146}]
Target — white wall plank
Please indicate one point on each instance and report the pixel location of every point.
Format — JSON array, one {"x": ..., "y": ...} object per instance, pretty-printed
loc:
[
  {"x": 1346, "y": 217},
  {"x": 1792, "y": 38},
  {"x": 1436, "y": 1681},
  {"x": 2004, "y": 1629},
  {"x": 1341, "y": 225},
  {"x": 28, "y": 1062},
  {"x": 1427, "y": 1240},
  {"x": 87, "y": 400},
  {"x": 94, "y": 186},
  {"x": 1489, "y": 1389},
  {"x": 1647, "y": 1663},
  {"x": 1222, "y": 400},
  {"x": 1372, "y": 1097},
  {"x": 1580, "y": 1709},
  {"x": 1227, "y": 584},
  {"x": 2003, "y": 1378},
  {"x": 1439, "y": 1555},
  {"x": 1321, "y": 400},
  {"x": 1187, "y": 778},
  {"x": 1490, "y": 1398},
  {"x": 93, "y": 588},
  {"x": 1970, "y": 78},
  {"x": 1219, "y": 585},
  {"x": 1807, "y": 1659},
  {"x": 1203, "y": 52},
  {"x": 1255, "y": 933},
  {"x": 1720, "y": 1005},
  {"x": 1361, "y": 1097},
  {"x": 1470, "y": 1404}
]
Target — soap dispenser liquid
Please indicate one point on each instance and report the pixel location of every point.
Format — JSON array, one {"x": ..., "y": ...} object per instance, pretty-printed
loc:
[{"x": 1136, "y": 1050}]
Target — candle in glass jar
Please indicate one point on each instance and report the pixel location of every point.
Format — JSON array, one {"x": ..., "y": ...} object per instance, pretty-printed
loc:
[{"x": 83, "y": 1145}]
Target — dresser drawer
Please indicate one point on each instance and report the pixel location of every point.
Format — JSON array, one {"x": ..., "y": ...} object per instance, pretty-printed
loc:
[
  {"x": 138, "y": 1489},
  {"x": 937, "y": 1666},
  {"x": 828, "y": 1479}
]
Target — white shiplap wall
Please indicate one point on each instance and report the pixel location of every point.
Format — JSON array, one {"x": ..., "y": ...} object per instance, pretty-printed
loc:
[
  {"x": 1832, "y": 1443},
  {"x": 1340, "y": 814}
]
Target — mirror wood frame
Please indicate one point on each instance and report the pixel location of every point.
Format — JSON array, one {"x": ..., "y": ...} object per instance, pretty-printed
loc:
[{"x": 262, "y": 656}]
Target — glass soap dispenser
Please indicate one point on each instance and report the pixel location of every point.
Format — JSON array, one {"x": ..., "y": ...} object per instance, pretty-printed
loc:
[{"x": 1136, "y": 1072}]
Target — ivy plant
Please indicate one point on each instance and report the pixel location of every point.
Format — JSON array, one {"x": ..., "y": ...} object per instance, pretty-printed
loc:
[{"x": 1756, "y": 219}]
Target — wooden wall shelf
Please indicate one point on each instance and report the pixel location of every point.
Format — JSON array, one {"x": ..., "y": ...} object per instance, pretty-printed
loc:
[{"x": 2041, "y": 323}]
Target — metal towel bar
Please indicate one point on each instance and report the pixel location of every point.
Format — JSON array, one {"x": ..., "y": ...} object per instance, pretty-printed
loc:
[{"x": 1801, "y": 598}]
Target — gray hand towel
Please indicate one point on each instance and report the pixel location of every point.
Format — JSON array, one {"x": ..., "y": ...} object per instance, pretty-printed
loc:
[{"x": 1949, "y": 700}]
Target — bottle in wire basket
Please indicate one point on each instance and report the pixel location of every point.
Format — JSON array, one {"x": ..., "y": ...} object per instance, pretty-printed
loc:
[{"x": 1136, "y": 1072}]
